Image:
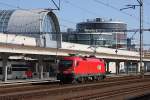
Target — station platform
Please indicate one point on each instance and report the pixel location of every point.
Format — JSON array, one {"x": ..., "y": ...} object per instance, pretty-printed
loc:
[
  {"x": 115, "y": 75},
  {"x": 129, "y": 74},
  {"x": 42, "y": 81},
  {"x": 54, "y": 80},
  {"x": 28, "y": 81},
  {"x": 124, "y": 74}
]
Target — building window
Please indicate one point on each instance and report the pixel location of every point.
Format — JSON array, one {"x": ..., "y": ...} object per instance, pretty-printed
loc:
[{"x": 48, "y": 27}]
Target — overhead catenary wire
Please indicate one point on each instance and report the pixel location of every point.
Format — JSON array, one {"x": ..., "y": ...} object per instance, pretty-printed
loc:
[
  {"x": 36, "y": 13},
  {"x": 79, "y": 33},
  {"x": 17, "y": 7},
  {"x": 115, "y": 8},
  {"x": 68, "y": 21},
  {"x": 75, "y": 5},
  {"x": 81, "y": 8},
  {"x": 86, "y": 10}
]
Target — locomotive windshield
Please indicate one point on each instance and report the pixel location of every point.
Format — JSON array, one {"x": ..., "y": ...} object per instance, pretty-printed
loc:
[{"x": 65, "y": 63}]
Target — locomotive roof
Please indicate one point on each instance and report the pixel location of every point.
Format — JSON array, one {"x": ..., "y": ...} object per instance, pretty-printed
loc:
[{"x": 80, "y": 58}]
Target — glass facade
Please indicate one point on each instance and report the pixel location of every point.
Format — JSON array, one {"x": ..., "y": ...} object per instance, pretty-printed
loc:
[
  {"x": 100, "y": 39},
  {"x": 48, "y": 27},
  {"x": 4, "y": 19},
  {"x": 100, "y": 26},
  {"x": 100, "y": 33},
  {"x": 108, "y": 34}
]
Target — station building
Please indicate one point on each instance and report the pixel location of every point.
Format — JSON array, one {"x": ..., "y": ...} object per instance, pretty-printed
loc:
[
  {"x": 42, "y": 24},
  {"x": 104, "y": 33}
]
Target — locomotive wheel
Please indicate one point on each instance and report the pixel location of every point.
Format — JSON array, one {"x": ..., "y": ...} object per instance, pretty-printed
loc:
[
  {"x": 94, "y": 78},
  {"x": 79, "y": 80},
  {"x": 85, "y": 79},
  {"x": 98, "y": 78},
  {"x": 104, "y": 76},
  {"x": 74, "y": 81},
  {"x": 82, "y": 80}
]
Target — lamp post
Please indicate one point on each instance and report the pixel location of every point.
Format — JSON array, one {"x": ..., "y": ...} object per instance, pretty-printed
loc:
[
  {"x": 141, "y": 32},
  {"x": 141, "y": 38}
]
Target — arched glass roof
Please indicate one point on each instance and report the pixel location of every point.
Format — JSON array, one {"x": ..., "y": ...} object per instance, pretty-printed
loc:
[
  {"x": 38, "y": 23},
  {"x": 28, "y": 21}
]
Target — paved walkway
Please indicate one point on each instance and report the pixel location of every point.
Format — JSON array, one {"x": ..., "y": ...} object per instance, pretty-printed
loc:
[{"x": 28, "y": 81}]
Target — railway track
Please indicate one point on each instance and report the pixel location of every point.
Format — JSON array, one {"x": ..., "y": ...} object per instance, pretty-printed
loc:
[
  {"x": 27, "y": 87},
  {"x": 120, "y": 93},
  {"x": 58, "y": 91},
  {"x": 23, "y": 84}
]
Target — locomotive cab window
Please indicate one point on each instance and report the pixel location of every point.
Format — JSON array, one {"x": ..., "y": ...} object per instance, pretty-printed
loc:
[
  {"x": 77, "y": 63},
  {"x": 65, "y": 63}
]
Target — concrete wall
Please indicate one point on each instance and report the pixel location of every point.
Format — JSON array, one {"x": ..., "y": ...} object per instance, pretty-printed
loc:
[
  {"x": 73, "y": 46},
  {"x": 17, "y": 39},
  {"x": 24, "y": 40},
  {"x": 28, "y": 41},
  {"x": 112, "y": 67}
]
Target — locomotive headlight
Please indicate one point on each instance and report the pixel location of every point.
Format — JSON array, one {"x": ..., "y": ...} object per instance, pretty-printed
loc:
[{"x": 99, "y": 67}]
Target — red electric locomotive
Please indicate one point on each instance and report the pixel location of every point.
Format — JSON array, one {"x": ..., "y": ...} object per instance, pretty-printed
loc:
[{"x": 80, "y": 69}]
